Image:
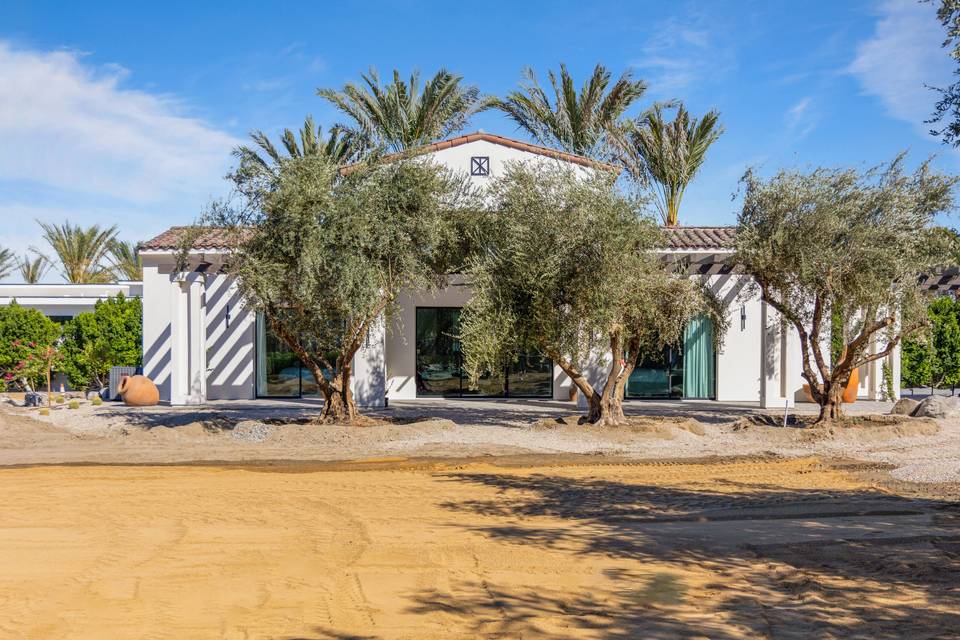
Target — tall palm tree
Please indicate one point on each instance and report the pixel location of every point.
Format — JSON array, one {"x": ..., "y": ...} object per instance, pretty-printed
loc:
[
  {"x": 126, "y": 260},
  {"x": 81, "y": 251},
  {"x": 7, "y": 262},
  {"x": 667, "y": 153},
  {"x": 400, "y": 115},
  {"x": 32, "y": 269},
  {"x": 575, "y": 122}
]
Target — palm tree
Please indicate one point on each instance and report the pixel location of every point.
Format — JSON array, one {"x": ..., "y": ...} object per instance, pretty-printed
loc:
[
  {"x": 667, "y": 153},
  {"x": 339, "y": 146},
  {"x": 32, "y": 269},
  {"x": 575, "y": 122},
  {"x": 6, "y": 262},
  {"x": 81, "y": 252},
  {"x": 399, "y": 115},
  {"x": 126, "y": 260}
]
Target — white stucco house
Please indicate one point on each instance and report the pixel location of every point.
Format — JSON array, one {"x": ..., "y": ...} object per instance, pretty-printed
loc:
[{"x": 200, "y": 342}]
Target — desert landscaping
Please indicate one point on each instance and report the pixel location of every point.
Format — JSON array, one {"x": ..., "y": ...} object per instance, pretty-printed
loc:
[{"x": 225, "y": 522}]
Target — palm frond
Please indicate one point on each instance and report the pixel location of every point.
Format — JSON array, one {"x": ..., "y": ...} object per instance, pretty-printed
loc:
[
  {"x": 7, "y": 262},
  {"x": 401, "y": 114},
  {"x": 33, "y": 268},
  {"x": 81, "y": 251},
  {"x": 668, "y": 153},
  {"x": 126, "y": 259},
  {"x": 577, "y": 121}
]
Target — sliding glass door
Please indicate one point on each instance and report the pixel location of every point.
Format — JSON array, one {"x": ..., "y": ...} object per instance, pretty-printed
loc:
[
  {"x": 684, "y": 370},
  {"x": 439, "y": 363},
  {"x": 279, "y": 372}
]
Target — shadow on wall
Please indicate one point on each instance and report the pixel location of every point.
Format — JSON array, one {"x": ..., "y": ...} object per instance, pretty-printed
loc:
[
  {"x": 230, "y": 343},
  {"x": 156, "y": 362}
]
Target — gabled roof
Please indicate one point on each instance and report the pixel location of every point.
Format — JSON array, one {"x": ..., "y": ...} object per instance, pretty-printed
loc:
[
  {"x": 701, "y": 238},
  {"x": 502, "y": 141},
  {"x": 211, "y": 238}
]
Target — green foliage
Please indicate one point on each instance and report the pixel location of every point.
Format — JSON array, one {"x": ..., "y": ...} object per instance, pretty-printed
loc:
[
  {"x": 33, "y": 268},
  {"x": 916, "y": 363},
  {"x": 323, "y": 256},
  {"x": 887, "y": 392},
  {"x": 44, "y": 411},
  {"x": 948, "y": 107},
  {"x": 577, "y": 122},
  {"x": 563, "y": 266},
  {"x": 58, "y": 399},
  {"x": 668, "y": 154},
  {"x": 81, "y": 251},
  {"x": 849, "y": 242},
  {"x": 109, "y": 336},
  {"x": 24, "y": 333},
  {"x": 126, "y": 261},
  {"x": 933, "y": 359},
  {"x": 74, "y": 404},
  {"x": 97, "y": 401},
  {"x": 338, "y": 146},
  {"x": 400, "y": 115},
  {"x": 7, "y": 262}
]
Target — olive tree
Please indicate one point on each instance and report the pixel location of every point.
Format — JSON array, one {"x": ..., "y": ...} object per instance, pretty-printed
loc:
[
  {"x": 843, "y": 247},
  {"x": 562, "y": 265},
  {"x": 323, "y": 255}
]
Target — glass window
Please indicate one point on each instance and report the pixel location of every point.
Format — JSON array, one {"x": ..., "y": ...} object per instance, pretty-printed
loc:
[
  {"x": 439, "y": 365},
  {"x": 278, "y": 370}
]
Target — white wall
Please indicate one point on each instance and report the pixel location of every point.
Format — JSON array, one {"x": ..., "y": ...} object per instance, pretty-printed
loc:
[
  {"x": 739, "y": 360},
  {"x": 198, "y": 336}
]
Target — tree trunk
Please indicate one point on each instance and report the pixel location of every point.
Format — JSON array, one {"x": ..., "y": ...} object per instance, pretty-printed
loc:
[
  {"x": 338, "y": 404},
  {"x": 831, "y": 407}
]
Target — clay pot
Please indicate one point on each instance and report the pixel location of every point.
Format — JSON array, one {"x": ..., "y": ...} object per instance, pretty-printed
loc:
[
  {"x": 138, "y": 391},
  {"x": 849, "y": 392}
]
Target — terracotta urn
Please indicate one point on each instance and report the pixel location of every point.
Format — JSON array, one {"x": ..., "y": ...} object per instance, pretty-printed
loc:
[
  {"x": 138, "y": 391},
  {"x": 849, "y": 392}
]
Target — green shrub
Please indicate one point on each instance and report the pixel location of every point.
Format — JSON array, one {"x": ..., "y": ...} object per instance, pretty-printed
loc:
[
  {"x": 74, "y": 404},
  {"x": 59, "y": 399},
  {"x": 24, "y": 332},
  {"x": 97, "y": 401},
  {"x": 44, "y": 411},
  {"x": 109, "y": 336}
]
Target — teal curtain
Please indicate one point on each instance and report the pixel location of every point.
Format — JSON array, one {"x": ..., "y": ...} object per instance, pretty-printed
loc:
[
  {"x": 698, "y": 358},
  {"x": 261, "y": 358}
]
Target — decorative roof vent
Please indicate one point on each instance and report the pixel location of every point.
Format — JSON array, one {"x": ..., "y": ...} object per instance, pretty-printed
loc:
[{"x": 480, "y": 166}]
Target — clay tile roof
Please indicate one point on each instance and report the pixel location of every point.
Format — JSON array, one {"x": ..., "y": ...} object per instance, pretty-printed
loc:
[
  {"x": 495, "y": 139},
  {"x": 208, "y": 238},
  {"x": 710, "y": 238}
]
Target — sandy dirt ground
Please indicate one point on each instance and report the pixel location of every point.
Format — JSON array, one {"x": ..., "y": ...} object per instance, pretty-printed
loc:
[
  {"x": 522, "y": 547},
  {"x": 477, "y": 521},
  {"x": 917, "y": 449}
]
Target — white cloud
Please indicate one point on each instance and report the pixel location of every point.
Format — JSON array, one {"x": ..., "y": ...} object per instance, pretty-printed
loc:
[
  {"x": 70, "y": 126},
  {"x": 683, "y": 52},
  {"x": 800, "y": 119},
  {"x": 903, "y": 56}
]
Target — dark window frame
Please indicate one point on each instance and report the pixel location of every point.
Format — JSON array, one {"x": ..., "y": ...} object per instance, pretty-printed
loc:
[{"x": 480, "y": 166}]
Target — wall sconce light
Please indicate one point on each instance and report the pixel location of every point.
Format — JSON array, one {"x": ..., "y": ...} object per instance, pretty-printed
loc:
[{"x": 743, "y": 317}]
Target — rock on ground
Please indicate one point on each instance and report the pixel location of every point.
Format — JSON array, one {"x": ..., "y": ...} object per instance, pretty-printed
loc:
[
  {"x": 904, "y": 407},
  {"x": 937, "y": 407}
]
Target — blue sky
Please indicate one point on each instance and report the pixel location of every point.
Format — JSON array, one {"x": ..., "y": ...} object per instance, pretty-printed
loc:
[{"x": 122, "y": 113}]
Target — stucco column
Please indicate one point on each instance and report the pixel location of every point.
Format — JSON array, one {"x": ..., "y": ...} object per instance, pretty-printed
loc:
[
  {"x": 780, "y": 364},
  {"x": 369, "y": 381}
]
